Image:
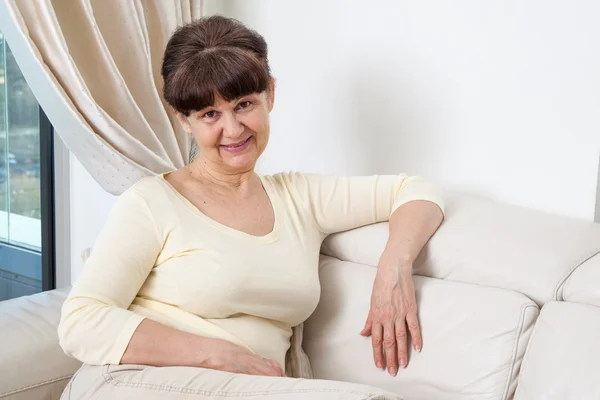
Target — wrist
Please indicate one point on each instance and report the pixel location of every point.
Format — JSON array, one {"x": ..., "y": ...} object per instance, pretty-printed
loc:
[
  {"x": 398, "y": 258},
  {"x": 405, "y": 267},
  {"x": 203, "y": 353}
]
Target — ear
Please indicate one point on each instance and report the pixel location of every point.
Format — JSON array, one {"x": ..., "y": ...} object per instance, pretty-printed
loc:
[
  {"x": 185, "y": 123},
  {"x": 271, "y": 94}
]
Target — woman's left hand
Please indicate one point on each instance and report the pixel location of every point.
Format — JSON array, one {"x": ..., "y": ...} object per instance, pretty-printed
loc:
[{"x": 393, "y": 308}]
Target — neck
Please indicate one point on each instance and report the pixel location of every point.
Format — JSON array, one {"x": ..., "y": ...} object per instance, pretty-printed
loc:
[{"x": 239, "y": 182}]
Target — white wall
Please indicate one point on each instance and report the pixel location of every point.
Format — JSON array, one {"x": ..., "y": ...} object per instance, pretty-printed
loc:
[
  {"x": 496, "y": 98},
  {"x": 597, "y": 214},
  {"x": 90, "y": 206}
]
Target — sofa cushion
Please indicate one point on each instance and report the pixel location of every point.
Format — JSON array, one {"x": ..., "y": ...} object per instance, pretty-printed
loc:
[
  {"x": 473, "y": 337},
  {"x": 488, "y": 243},
  {"x": 583, "y": 286},
  {"x": 33, "y": 366},
  {"x": 563, "y": 357}
]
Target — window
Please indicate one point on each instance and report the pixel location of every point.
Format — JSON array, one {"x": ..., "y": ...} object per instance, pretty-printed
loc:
[{"x": 26, "y": 186}]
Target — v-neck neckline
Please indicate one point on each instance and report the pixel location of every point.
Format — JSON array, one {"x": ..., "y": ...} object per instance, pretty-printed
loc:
[{"x": 269, "y": 237}]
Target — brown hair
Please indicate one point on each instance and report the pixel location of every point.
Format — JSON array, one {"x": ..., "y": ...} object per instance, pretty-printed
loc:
[{"x": 213, "y": 56}]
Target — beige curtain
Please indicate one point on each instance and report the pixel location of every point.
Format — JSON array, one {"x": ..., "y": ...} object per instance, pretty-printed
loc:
[{"x": 94, "y": 66}]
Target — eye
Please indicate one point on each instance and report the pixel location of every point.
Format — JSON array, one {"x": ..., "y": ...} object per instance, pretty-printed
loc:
[
  {"x": 210, "y": 114},
  {"x": 244, "y": 104}
]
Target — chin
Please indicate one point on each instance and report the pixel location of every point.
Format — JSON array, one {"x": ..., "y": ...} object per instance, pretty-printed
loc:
[{"x": 242, "y": 162}]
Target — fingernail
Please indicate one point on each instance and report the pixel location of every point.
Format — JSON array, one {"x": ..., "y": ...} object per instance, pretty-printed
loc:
[
  {"x": 418, "y": 348},
  {"x": 402, "y": 363},
  {"x": 393, "y": 371},
  {"x": 379, "y": 364}
]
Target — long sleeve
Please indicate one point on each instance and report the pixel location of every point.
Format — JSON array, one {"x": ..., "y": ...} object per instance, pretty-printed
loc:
[
  {"x": 342, "y": 203},
  {"x": 96, "y": 325}
]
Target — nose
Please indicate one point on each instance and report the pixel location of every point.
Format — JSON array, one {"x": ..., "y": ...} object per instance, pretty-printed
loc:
[{"x": 232, "y": 127}]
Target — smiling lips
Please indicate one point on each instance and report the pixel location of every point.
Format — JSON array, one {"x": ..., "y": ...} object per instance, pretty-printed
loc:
[{"x": 237, "y": 147}]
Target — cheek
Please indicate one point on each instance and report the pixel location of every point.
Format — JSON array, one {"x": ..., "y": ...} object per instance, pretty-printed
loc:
[
  {"x": 259, "y": 123},
  {"x": 205, "y": 135}
]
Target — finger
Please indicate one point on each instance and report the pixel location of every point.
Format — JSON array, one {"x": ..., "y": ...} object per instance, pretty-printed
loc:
[
  {"x": 389, "y": 343},
  {"x": 263, "y": 367},
  {"x": 412, "y": 320},
  {"x": 367, "y": 329},
  {"x": 255, "y": 369},
  {"x": 401, "y": 342},
  {"x": 273, "y": 367},
  {"x": 269, "y": 370},
  {"x": 377, "y": 341},
  {"x": 277, "y": 367}
]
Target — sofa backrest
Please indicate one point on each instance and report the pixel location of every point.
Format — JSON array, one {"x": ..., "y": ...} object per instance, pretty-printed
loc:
[{"x": 491, "y": 244}]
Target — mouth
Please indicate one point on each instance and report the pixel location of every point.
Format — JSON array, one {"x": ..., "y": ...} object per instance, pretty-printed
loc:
[{"x": 236, "y": 146}]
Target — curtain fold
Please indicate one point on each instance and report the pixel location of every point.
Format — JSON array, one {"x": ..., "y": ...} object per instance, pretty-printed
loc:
[{"x": 94, "y": 66}]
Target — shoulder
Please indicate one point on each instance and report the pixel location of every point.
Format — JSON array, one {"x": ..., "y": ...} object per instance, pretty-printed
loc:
[
  {"x": 146, "y": 190},
  {"x": 305, "y": 182},
  {"x": 294, "y": 178},
  {"x": 303, "y": 185},
  {"x": 143, "y": 186},
  {"x": 289, "y": 181}
]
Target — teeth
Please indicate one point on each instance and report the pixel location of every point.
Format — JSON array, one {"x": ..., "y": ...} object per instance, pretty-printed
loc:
[{"x": 236, "y": 145}]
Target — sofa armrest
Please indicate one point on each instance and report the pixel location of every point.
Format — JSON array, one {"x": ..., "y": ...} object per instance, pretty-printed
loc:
[
  {"x": 32, "y": 364},
  {"x": 488, "y": 243}
]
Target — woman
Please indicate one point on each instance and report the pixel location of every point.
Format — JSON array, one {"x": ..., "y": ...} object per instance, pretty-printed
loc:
[{"x": 211, "y": 266}]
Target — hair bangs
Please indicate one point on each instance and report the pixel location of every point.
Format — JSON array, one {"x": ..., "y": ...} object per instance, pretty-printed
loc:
[{"x": 226, "y": 72}]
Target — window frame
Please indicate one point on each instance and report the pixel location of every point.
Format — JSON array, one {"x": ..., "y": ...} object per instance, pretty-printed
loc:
[{"x": 47, "y": 198}]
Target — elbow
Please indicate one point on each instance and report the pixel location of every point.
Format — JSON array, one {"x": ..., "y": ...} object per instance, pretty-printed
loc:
[
  {"x": 67, "y": 338},
  {"x": 76, "y": 329},
  {"x": 92, "y": 332}
]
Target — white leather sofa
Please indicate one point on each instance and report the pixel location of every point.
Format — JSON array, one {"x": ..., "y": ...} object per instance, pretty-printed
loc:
[{"x": 509, "y": 304}]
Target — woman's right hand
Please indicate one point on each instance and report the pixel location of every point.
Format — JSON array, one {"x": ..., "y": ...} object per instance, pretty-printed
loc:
[{"x": 226, "y": 356}]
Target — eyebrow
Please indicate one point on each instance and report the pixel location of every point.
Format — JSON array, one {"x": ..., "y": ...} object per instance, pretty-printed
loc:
[{"x": 207, "y": 108}]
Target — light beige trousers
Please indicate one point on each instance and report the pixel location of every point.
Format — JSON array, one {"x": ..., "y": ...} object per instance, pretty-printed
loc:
[{"x": 138, "y": 382}]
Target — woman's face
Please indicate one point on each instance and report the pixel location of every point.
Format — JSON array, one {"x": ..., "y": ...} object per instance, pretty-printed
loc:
[{"x": 232, "y": 135}]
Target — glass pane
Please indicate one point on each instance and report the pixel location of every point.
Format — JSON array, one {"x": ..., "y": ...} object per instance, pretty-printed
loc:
[
  {"x": 20, "y": 217},
  {"x": 23, "y": 157}
]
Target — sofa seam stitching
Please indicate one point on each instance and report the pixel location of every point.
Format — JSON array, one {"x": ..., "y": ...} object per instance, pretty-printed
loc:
[
  {"x": 515, "y": 348},
  {"x": 531, "y": 339},
  {"x": 564, "y": 280},
  {"x": 36, "y": 385}
]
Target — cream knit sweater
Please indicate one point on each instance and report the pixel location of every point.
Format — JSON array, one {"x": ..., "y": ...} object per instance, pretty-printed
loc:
[{"x": 159, "y": 257}]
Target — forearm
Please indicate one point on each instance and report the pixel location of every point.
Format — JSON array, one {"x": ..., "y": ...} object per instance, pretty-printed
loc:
[
  {"x": 411, "y": 226},
  {"x": 160, "y": 345}
]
